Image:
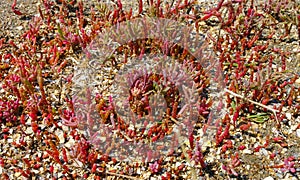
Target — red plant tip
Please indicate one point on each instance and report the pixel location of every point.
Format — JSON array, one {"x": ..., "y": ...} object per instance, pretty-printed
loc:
[
  {"x": 241, "y": 147},
  {"x": 120, "y": 4},
  {"x": 2, "y": 164},
  {"x": 17, "y": 12},
  {"x": 277, "y": 139},
  {"x": 289, "y": 165},
  {"x": 257, "y": 149},
  {"x": 191, "y": 140},
  {"x": 198, "y": 156},
  {"x": 51, "y": 169},
  {"x": 140, "y": 6},
  {"x": 245, "y": 127},
  {"x": 272, "y": 155},
  {"x": 154, "y": 167}
]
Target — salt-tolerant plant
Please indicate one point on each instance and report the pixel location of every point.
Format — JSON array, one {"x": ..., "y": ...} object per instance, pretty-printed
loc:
[
  {"x": 256, "y": 76},
  {"x": 289, "y": 165},
  {"x": 198, "y": 156},
  {"x": 9, "y": 110},
  {"x": 154, "y": 167},
  {"x": 234, "y": 162}
]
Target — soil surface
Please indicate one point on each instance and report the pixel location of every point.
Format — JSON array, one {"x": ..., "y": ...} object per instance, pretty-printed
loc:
[{"x": 267, "y": 162}]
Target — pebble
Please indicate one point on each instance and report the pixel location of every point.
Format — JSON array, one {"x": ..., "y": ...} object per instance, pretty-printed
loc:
[
  {"x": 294, "y": 127},
  {"x": 35, "y": 171},
  {"x": 178, "y": 164},
  {"x": 146, "y": 175},
  {"x": 252, "y": 140},
  {"x": 284, "y": 150},
  {"x": 284, "y": 109},
  {"x": 19, "y": 28},
  {"x": 297, "y": 81},
  {"x": 247, "y": 151},
  {"x": 269, "y": 178},
  {"x": 17, "y": 174},
  {"x": 263, "y": 151},
  {"x": 279, "y": 175},
  {"x": 9, "y": 140},
  {"x": 298, "y": 133},
  {"x": 61, "y": 137},
  {"x": 138, "y": 171},
  {"x": 70, "y": 143},
  {"x": 29, "y": 131},
  {"x": 288, "y": 116},
  {"x": 290, "y": 177}
]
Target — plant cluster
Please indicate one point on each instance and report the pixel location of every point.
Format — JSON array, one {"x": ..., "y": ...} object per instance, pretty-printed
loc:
[
  {"x": 248, "y": 39},
  {"x": 9, "y": 110}
]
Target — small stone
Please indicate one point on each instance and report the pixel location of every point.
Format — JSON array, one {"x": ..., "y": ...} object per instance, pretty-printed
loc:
[
  {"x": 61, "y": 137},
  {"x": 263, "y": 151},
  {"x": 284, "y": 150},
  {"x": 284, "y": 109},
  {"x": 279, "y": 175},
  {"x": 147, "y": 175},
  {"x": 297, "y": 81},
  {"x": 178, "y": 164},
  {"x": 70, "y": 143},
  {"x": 269, "y": 178},
  {"x": 138, "y": 171},
  {"x": 288, "y": 116},
  {"x": 206, "y": 145},
  {"x": 247, "y": 151},
  {"x": 10, "y": 140},
  {"x": 64, "y": 128},
  {"x": 19, "y": 28},
  {"x": 294, "y": 127},
  {"x": 29, "y": 131},
  {"x": 298, "y": 133},
  {"x": 17, "y": 174},
  {"x": 252, "y": 140},
  {"x": 35, "y": 171}
]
